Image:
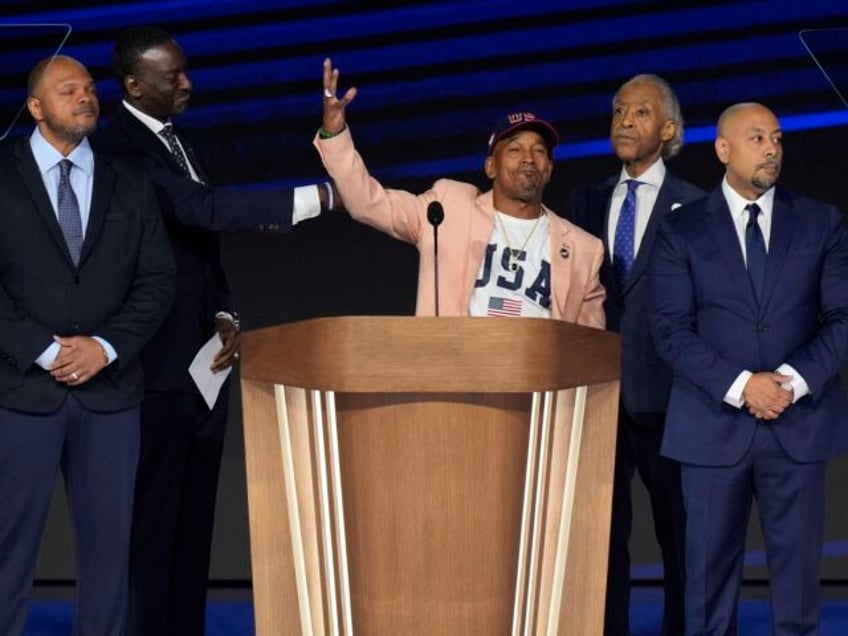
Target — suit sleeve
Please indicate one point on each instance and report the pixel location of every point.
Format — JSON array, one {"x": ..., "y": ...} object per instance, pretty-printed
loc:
[
  {"x": 152, "y": 289},
  {"x": 188, "y": 203},
  {"x": 22, "y": 338},
  {"x": 398, "y": 213},
  {"x": 820, "y": 360},
  {"x": 674, "y": 318}
]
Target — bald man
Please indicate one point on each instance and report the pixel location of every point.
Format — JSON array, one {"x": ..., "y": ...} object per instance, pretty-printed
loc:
[
  {"x": 86, "y": 277},
  {"x": 749, "y": 303}
]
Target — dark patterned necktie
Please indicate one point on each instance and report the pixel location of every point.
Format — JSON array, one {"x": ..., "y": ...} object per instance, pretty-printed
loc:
[
  {"x": 69, "y": 211},
  {"x": 625, "y": 231},
  {"x": 171, "y": 137},
  {"x": 755, "y": 248}
]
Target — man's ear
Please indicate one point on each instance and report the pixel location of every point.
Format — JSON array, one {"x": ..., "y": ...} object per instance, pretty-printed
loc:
[
  {"x": 34, "y": 108},
  {"x": 668, "y": 131},
  {"x": 722, "y": 149},
  {"x": 489, "y": 167},
  {"x": 132, "y": 86}
]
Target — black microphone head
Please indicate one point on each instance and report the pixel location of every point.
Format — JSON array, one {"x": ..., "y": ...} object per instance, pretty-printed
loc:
[{"x": 435, "y": 213}]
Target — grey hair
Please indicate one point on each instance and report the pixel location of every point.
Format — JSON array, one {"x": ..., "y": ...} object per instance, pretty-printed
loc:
[{"x": 671, "y": 105}]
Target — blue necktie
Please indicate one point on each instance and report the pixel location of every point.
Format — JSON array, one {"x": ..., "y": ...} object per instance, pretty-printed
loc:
[
  {"x": 755, "y": 248},
  {"x": 69, "y": 211},
  {"x": 623, "y": 246}
]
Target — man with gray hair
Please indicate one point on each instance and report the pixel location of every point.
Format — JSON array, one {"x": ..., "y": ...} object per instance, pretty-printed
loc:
[{"x": 624, "y": 212}]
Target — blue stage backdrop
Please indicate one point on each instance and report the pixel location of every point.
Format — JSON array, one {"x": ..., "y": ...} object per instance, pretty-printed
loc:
[{"x": 433, "y": 76}]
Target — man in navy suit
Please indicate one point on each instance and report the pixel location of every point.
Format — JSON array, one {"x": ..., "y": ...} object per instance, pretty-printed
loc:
[
  {"x": 86, "y": 277},
  {"x": 646, "y": 129},
  {"x": 181, "y": 438},
  {"x": 749, "y": 297}
]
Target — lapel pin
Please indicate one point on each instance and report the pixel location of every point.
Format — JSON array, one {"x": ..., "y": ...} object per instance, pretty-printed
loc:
[{"x": 563, "y": 251}]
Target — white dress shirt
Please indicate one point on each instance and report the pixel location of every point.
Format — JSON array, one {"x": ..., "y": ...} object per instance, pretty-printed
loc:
[
  {"x": 47, "y": 159},
  {"x": 736, "y": 202},
  {"x": 646, "y": 196}
]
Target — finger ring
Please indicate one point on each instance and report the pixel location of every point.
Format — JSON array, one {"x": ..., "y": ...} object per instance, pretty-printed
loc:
[
  {"x": 74, "y": 376},
  {"x": 328, "y": 93}
]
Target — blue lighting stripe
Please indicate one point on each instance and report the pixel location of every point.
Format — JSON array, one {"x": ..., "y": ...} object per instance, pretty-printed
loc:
[
  {"x": 597, "y": 147},
  {"x": 576, "y": 150},
  {"x": 690, "y": 57}
]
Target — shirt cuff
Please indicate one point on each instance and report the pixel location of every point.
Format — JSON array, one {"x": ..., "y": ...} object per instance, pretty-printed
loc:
[
  {"x": 734, "y": 395},
  {"x": 307, "y": 204},
  {"x": 48, "y": 356},
  {"x": 111, "y": 354},
  {"x": 798, "y": 385}
]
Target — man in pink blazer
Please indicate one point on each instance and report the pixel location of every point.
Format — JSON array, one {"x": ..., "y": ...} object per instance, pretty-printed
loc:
[{"x": 501, "y": 252}]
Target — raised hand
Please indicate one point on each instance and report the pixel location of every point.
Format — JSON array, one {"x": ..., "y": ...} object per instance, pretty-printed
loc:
[{"x": 334, "y": 107}]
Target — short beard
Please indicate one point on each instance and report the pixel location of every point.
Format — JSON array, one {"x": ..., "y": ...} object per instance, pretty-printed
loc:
[
  {"x": 71, "y": 135},
  {"x": 763, "y": 184}
]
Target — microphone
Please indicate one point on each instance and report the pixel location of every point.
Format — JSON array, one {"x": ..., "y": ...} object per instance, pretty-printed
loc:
[{"x": 435, "y": 215}]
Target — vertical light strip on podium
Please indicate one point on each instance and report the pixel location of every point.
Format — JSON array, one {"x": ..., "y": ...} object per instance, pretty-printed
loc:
[
  {"x": 528, "y": 513},
  {"x": 298, "y": 551},
  {"x": 338, "y": 509},
  {"x": 537, "y": 538},
  {"x": 567, "y": 507}
]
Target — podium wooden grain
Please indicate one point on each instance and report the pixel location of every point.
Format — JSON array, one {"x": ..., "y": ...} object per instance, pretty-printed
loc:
[{"x": 429, "y": 475}]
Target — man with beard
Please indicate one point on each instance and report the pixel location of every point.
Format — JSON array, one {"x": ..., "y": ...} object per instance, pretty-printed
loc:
[
  {"x": 749, "y": 304},
  {"x": 503, "y": 253},
  {"x": 86, "y": 277},
  {"x": 624, "y": 211}
]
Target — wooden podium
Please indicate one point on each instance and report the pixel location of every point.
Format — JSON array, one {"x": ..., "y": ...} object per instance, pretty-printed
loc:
[{"x": 429, "y": 476}]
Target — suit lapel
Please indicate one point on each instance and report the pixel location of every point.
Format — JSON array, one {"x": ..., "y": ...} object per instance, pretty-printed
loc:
[
  {"x": 561, "y": 247},
  {"x": 723, "y": 232},
  {"x": 148, "y": 140},
  {"x": 662, "y": 206},
  {"x": 103, "y": 182},
  {"x": 141, "y": 135},
  {"x": 192, "y": 157},
  {"x": 34, "y": 184},
  {"x": 783, "y": 221},
  {"x": 667, "y": 196},
  {"x": 482, "y": 223}
]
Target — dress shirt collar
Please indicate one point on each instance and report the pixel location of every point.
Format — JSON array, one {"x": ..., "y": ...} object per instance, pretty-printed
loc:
[
  {"x": 736, "y": 202},
  {"x": 653, "y": 176},
  {"x": 152, "y": 123},
  {"x": 47, "y": 157}
]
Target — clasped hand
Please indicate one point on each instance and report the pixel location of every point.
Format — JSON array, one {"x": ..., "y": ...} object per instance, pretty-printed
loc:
[
  {"x": 765, "y": 396},
  {"x": 80, "y": 358}
]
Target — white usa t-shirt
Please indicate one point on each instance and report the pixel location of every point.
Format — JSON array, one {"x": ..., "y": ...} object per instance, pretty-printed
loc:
[{"x": 520, "y": 284}]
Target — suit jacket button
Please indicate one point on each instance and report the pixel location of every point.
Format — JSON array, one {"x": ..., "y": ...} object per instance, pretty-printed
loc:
[{"x": 761, "y": 328}]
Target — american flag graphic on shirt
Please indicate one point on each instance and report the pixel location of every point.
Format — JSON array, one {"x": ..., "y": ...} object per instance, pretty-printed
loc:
[{"x": 504, "y": 307}]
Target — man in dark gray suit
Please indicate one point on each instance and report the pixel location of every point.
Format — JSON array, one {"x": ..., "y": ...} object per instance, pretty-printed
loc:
[
  {"x": 86, "y": 277},
  {"x": 624, "y": 211}
]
